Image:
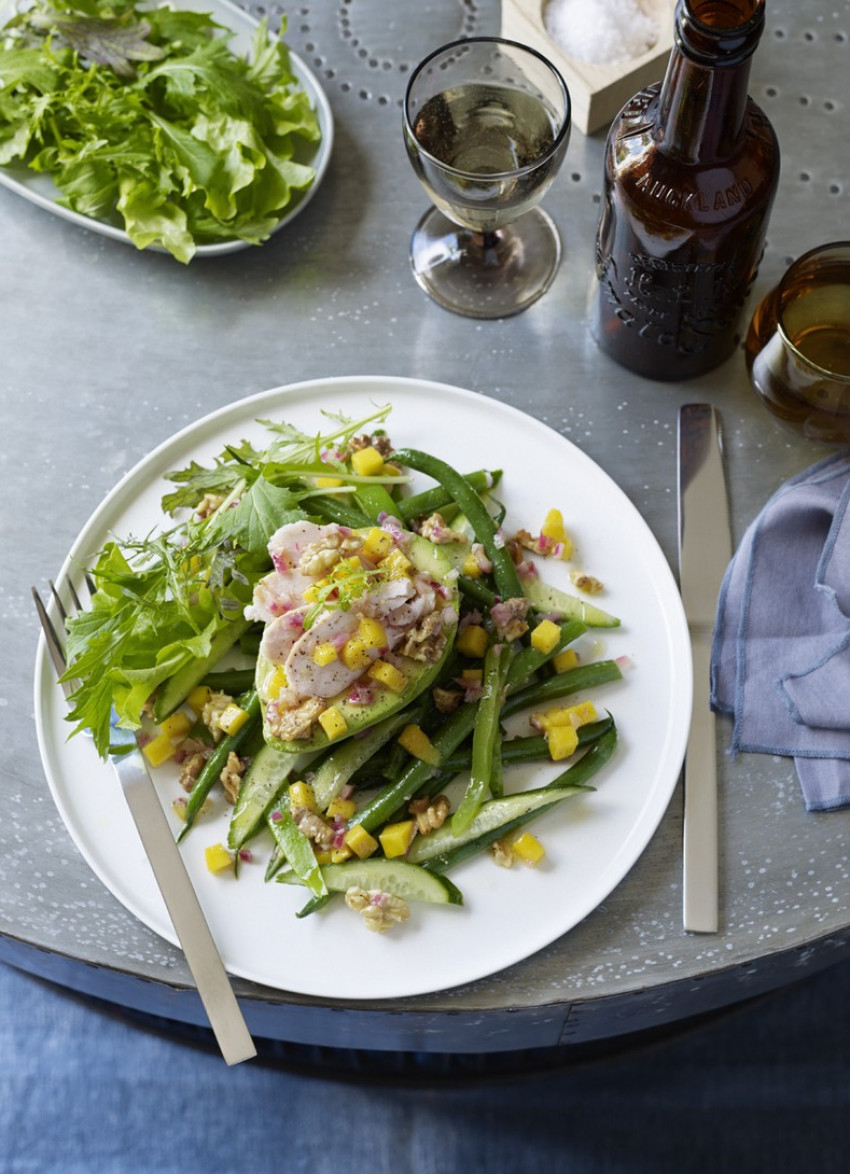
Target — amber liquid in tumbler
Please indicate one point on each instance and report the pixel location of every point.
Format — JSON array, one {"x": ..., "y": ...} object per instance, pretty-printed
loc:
[
  {"x": 806, "y": 384},
  {"x": 691, "y": 170}
]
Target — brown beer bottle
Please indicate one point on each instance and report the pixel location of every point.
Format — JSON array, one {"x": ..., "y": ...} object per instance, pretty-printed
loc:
[{"x": 691, "y": 169}]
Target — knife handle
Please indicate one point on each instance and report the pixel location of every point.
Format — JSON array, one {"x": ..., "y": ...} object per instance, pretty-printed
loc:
[{"x": 700, "y": 886}]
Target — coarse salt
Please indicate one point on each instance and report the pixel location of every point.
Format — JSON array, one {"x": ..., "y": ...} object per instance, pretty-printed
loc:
[{"x": 600, "y": 31}]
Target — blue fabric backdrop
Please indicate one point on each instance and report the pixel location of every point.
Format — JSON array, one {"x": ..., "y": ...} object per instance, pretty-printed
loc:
[{"x": 765, "y": 1088}]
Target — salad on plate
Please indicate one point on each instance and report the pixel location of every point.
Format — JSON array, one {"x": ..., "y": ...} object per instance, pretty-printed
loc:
[
  {"x": 338, "y": 637},
  {"x": 144, "y": 116}
]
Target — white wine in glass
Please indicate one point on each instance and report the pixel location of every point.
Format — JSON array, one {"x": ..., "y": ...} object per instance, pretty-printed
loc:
[{"x": 486, "y": 126}]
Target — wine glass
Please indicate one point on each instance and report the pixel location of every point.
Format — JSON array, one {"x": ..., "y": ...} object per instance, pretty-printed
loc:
[{"x": 486, "y": 126}]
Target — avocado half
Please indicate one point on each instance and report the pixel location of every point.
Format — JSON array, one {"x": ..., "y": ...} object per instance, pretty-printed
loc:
[{"x": 429, "y": 559}]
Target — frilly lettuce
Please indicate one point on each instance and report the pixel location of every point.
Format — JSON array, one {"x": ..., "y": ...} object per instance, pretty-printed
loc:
[{"x": 146, "y": 117}]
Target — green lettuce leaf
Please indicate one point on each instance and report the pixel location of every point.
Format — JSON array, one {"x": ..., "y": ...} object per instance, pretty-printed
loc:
[{"x": 147, "y": 119}]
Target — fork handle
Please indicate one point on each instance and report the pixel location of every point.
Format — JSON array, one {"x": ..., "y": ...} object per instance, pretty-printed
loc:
[{"x": 184, "y": 909}]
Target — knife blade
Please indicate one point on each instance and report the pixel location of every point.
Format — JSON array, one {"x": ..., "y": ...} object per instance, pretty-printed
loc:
[
  {"x": 705, "y": 549},
  {"x": 181, "y": 900}
]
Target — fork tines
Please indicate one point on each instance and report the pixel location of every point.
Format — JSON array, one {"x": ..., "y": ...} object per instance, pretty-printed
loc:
[{"x": 55, "y": 645}]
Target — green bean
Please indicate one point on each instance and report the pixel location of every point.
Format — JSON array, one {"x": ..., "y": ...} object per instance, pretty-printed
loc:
[
  {"x": 452, "y": 733},
  {"x": 230, "y": 681},
  {"x": 392, "y": 797},
  {"x": 530, "y": 660},
  {"x": 505, "y": 574},
  {"x": 477, "y": 591},
  {"x": 485, "y": 737},
  {"x": 420, "y": 505},
  {"x": 574, "y": 778},
  {"x": 374, "y": 499},
  {"x": 584, "y": 676},
  {"x": 516, "y": 750},
  {"x": 523, "y": 749},
  {"x": 218, "y": 759},
  {"x": 332, "y": 509}
]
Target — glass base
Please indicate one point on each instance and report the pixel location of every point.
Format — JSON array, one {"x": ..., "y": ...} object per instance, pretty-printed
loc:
[{"x": 485, "y": 275}]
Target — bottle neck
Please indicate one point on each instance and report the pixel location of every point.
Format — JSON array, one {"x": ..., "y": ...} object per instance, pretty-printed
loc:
[{"x": 703, "y": 99}]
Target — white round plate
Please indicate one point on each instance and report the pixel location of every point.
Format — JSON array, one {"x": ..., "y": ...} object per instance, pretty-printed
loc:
[
  {"x": 591, "y": 840},
  {"x": 39, "y": 188}
]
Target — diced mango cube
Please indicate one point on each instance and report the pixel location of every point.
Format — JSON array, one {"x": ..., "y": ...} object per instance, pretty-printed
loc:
[
  {"x": 567, "y": 715},
  {"x": 396, "y": 838},
  {"x": 159, "y": 750},
  {"x": 553, "y": 530},
  {"x": 355, "y": 654},
  {"x": 324, "y": 856},
  {"x": 328, "y": 482},
  {"x": 472, "y": 641},
  {"x": 377, "y": 544},
  {"x": 566, "y": 659},
  {"x": 472, "y": 676},
  {"x": 545, "y": 636},
  {"x": 562, "y": 742},
  {"x": 198, "y": 698},
  {"x": 397, "y": 564},
  {"x": 372, "y": 632},
  {"x": 301, "y": 794},
  {"x": 179, "y": 808},
  {"x": 311, "y": 593},
  {"x": 389, "y": 675},
  {"x": 416, "y": 742},
  {"x": 552, "y": 717},
  {"x": 332, "y": 722},
  {"x": 581, "y": 714},
  {"x": 340, "y": 808},
  {"x": 233, "y": 718},
  {"x": 528, "y": 849},
  {"x": 176, "y": 725},
  {"x": 339, "y": 855},
  {"x": 325, "y": 653},
  {"x": 276, "y": 683},
  {"x": 360, "y": 842},
  {"x": 217, "y": 858},
  {"x": 471, "y": 567},
  {"x": 367, "y": 462},
  {"x": 553, "y": 525}
]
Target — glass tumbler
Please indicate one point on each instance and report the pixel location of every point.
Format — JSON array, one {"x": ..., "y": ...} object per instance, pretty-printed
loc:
[{"x": 798, "y": 346}]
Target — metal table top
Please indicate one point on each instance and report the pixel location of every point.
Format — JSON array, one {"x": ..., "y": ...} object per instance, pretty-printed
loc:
[{"x": 107, "y": 351}]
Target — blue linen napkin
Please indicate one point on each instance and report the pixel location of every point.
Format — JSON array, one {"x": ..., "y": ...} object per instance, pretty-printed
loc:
[{"x": 781, "y": 652}]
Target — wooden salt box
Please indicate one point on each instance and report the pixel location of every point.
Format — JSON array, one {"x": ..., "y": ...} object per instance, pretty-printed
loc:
[{"x": 598, "y": 91}]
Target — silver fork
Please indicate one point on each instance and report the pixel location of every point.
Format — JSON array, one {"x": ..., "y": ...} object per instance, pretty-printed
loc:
[{"x": 181, "y": 901}]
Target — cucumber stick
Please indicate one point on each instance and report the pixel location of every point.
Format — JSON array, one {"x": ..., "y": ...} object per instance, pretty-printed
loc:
[
  {"x": 265, "y": 778},
  {"x": 173, "y": 692},
  {"x": 442, "y": 849},
  {"x": 549, "y": 600},
  {"x": 397, "y": 877},
  {"x": 297, "y": 850},
  {"x": 494, "y": 816},
  {"x": 336, "y": 768}
]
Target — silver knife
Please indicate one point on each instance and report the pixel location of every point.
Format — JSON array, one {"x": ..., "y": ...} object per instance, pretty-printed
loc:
[
  {"x": 181, "y": 900},
  {"x": 705, "y": 548}
]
